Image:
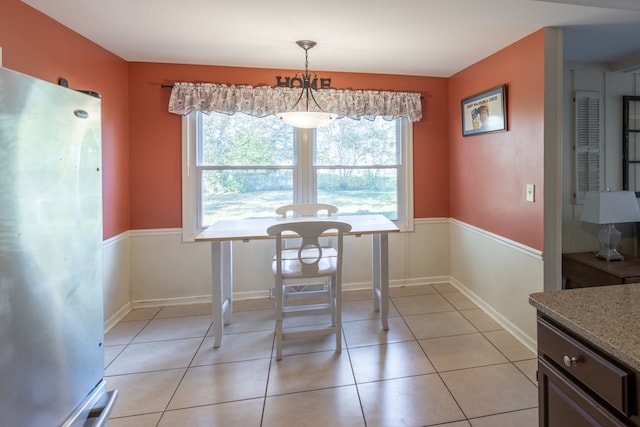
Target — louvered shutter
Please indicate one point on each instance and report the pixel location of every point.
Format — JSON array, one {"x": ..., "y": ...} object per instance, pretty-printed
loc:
[{"x": 587, "y": 147}]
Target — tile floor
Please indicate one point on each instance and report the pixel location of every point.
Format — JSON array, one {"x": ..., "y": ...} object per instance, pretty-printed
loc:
[{"x": 443, "y": 362}]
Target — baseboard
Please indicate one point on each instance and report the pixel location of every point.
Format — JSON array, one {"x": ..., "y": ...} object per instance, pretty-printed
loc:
[
  {"x": 160, "y": 302},
  {"x": 117, "y": 317},
  {"x": 237, "y": 296}
]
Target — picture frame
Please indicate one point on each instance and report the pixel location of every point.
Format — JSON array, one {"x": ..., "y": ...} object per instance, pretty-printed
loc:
[{"x": 485, "y": 112}]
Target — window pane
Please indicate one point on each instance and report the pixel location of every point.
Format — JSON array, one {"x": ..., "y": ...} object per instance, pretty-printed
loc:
[
  {"x": 360, "y": 191},
  {"x": 247, "y": 193},
  {"x": 348, "y": 142},
  {"x": 242, "y": 140}
]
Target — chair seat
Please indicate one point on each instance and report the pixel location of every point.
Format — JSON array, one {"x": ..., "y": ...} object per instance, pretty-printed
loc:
[{"x": 292, "y": 253}]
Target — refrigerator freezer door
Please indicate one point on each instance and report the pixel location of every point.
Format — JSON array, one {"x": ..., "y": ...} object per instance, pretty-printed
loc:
[{"x": 51, "y": 314}]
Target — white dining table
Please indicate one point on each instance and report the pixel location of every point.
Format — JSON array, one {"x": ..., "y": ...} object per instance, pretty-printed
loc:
[{"x": 222, "y": 233}]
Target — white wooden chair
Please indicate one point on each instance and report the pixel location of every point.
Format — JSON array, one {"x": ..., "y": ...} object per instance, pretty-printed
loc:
[
  {"x": 311, "y": 261},
  {"x": 306, "y": 209},
  {"x": 290, "y": 247}
]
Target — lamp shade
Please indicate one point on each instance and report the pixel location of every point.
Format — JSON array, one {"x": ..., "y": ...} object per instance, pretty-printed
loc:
[
  {"x": 610, "y": 207},
  {"x": 307, "y": 119}
]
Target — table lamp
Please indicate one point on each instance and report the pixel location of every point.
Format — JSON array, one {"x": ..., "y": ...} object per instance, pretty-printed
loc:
[{"x": 610, "y": 208}]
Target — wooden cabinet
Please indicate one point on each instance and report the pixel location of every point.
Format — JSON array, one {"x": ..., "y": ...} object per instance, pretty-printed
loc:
[
  {"x": 583, "y": 269},
  {"x": 580, "y": 384}
]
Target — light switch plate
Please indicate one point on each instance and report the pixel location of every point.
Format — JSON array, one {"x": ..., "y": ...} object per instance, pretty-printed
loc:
[{"x": 531, "y": 190}]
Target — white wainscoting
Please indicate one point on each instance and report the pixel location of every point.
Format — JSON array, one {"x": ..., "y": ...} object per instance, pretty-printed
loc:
[
  {"x": 116, "y": 259},
  {"x": 498, "y": 275},
  {"x": 155, "y": 267},
  {"x": 165, "y": 270}
]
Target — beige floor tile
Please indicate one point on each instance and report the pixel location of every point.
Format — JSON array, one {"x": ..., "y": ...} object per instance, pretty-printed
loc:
[
  {"x": 149, "y": 420},
  {"x": 525, "y": 418},
  {"x": 295, "y": 320},
  {"x": 461, "y": 351},
  {"x": 361, "y": 294},
  {"x": 387, "y": 361},
  {"x": 459, "y": 300},
  {"x": 491, "y": 390},
  {"x": 481, "y": 320},
  {"x": 309, "y": 344},
  {"x": 226, "y": 382},
  {"x": 314, "y": 385},
  {"x": 406, "y": 291},
  {"x": 144, "y": 393},
  {"x": 370, "y": 332},
  {"x": 509, "y": 346},
  {"x": 443, "y": 288},
  {"x": 111, "y": 352},
  {"x": 244, "y": 413},
  {"x": 146, "y": 313},
  {"x": 413, "y": 401},
  {"x": 154, "y": 356},
  {"x": 253, "y": 304},
  {"x": 184, "y": 310},
  {"x": 335, "y": 407},
  {"x": 250, "y": 321},
  {"x": 529, "y": 368},
  {"x": 174, "y": 328},
  {"x": 312, "y": 371},
  {"x": 362, "y": 310},
  {"x": 235, "y": 348},
  {"x": 124, "y": 332},
  {"x": 436, "y": 325},
  {"x": 420, "y": 304}
]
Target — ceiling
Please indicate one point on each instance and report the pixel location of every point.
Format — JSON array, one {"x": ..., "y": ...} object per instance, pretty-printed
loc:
[{"x": 405, "y": 37}]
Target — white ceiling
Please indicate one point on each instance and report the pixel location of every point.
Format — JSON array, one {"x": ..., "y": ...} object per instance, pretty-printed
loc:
[{"x": 407, "y": 37}]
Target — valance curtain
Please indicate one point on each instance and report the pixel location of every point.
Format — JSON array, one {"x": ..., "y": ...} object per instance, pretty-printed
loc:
[{"x": 264, "y": 100}]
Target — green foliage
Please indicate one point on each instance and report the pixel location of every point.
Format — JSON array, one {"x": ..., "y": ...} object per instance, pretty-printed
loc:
[{"x": 248, "y": 166}]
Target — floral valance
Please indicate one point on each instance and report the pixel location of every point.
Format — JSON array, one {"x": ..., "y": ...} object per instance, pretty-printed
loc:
[{"x": 264, "y": 100}]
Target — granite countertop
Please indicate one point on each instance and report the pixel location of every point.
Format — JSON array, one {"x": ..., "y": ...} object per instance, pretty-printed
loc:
[{"x": 608, "y": 316}]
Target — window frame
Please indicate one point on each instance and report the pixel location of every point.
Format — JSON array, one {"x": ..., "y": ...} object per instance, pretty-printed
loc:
[{"x": 304, "y": 178}]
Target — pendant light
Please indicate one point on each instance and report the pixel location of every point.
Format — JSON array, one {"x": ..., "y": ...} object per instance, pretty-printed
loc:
[{"x": 307, "y": 119}]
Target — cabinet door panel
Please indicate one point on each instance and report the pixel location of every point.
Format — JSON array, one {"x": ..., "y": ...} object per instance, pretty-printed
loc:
[{"x": 562, "y": 404}]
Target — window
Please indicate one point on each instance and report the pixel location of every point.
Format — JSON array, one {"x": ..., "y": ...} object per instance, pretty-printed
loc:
[{"x": 240, "y": 166}]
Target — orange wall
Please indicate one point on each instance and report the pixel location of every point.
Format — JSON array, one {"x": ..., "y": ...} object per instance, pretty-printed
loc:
[
  {"x": 479, "y": 180},
  {"x": 155, "y": 135},
  {"x": 34, "y": 44},
  {"x": 489, "y": 173}
]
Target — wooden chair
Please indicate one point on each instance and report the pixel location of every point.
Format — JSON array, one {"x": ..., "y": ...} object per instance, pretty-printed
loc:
[
  {"x": 311, "y": 261},
  {"x": 290, "y": 247},
  {"x": 306, "y": 209}
]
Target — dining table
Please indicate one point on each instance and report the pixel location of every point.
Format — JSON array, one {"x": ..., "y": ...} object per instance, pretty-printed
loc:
[{"x": 223, "y": 233}]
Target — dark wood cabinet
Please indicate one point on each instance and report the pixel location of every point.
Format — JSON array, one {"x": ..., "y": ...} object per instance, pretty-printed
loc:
[
  {"x": 583, "y": 269},
  {"x": 562, "y": 403},
  {"x": 580, "y": 384}
]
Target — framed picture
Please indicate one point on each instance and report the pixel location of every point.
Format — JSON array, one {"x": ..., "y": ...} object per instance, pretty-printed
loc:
[{"x": 485, "y": 112}]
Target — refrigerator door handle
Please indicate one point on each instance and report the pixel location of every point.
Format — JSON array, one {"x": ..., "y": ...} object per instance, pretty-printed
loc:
[{"x": 99, "y": 415}]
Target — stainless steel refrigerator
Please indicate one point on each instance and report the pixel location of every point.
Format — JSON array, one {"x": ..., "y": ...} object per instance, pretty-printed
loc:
[{"x": 51, "y": 310}]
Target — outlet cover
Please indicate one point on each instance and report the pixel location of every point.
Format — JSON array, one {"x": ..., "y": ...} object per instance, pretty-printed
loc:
[{"x": 531, "y": 190}]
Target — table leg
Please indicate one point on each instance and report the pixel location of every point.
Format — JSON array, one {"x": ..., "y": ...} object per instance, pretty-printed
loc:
[
  {"x": 380, "y": 276},
  {"x": 221, "y": 288}
]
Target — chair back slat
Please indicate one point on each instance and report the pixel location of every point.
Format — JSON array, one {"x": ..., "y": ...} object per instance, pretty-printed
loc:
[{"x": 306, "y": 209}]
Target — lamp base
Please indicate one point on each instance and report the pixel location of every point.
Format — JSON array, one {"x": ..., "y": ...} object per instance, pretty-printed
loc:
[
  {"x": 609, "y": 237},
  {"x": 609, "y": 255}
]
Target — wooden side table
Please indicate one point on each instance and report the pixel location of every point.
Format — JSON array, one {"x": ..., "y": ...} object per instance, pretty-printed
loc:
[{"x": 582, "y": 270}]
